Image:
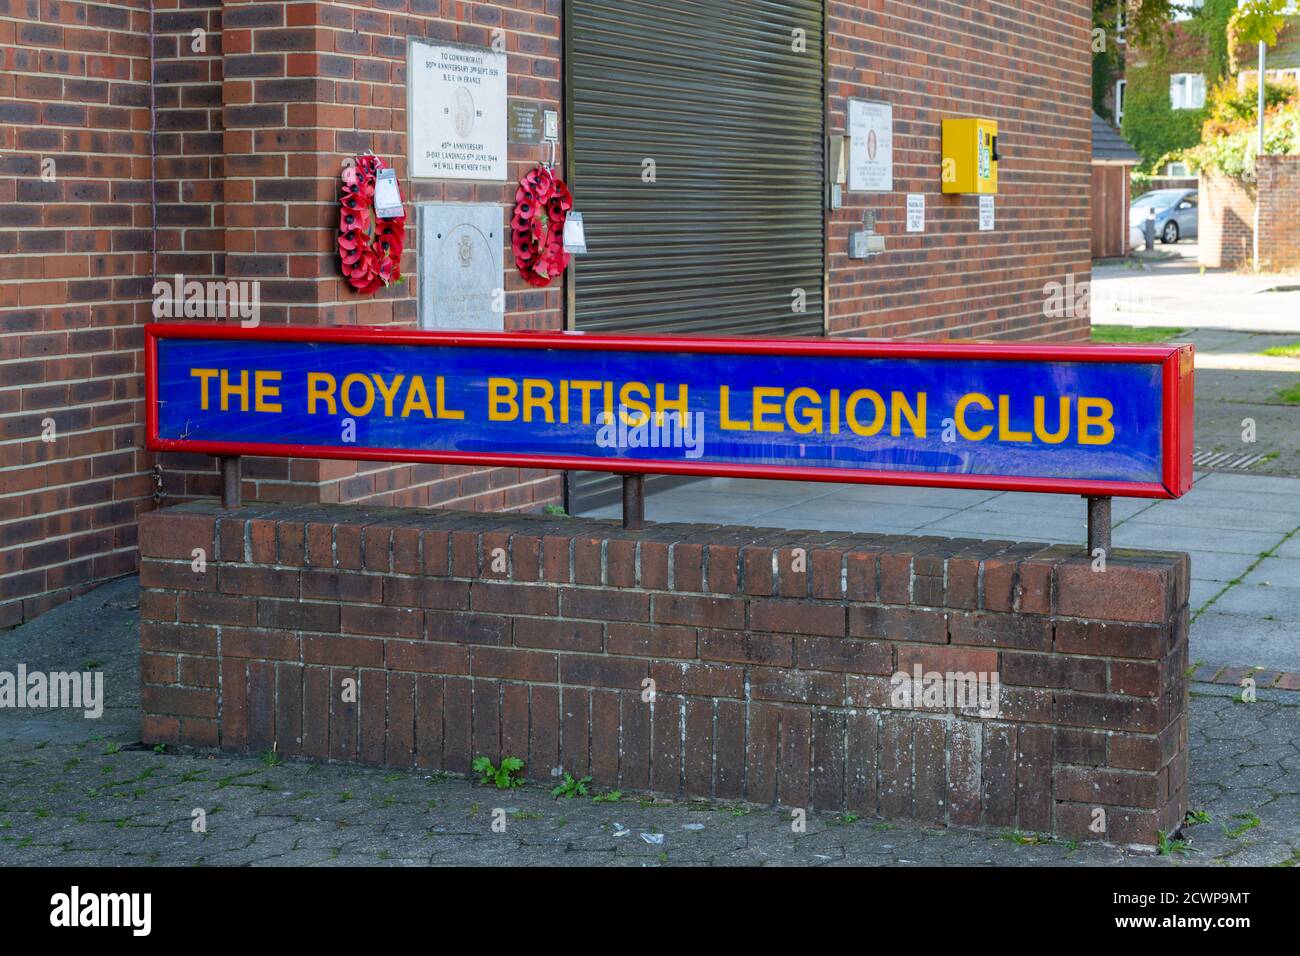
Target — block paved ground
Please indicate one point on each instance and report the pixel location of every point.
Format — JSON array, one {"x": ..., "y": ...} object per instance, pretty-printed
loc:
[{"x": 83, "y": 792}]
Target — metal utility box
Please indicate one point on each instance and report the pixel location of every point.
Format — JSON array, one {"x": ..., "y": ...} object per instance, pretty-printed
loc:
[{"x": 970, "y": 156}]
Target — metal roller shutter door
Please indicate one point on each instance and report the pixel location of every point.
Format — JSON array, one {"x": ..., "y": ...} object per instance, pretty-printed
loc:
[{"x": 732, "y": 117}]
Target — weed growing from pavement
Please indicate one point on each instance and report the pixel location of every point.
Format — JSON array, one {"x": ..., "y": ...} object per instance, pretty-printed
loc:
[
  {"x": 1168, "y": 844},
  {"x": 1249, "y": 821},
  {"x": 571, "y": 787},
  {"x": 505, "y": 777},
  {"x": 1290, "y": 396}
]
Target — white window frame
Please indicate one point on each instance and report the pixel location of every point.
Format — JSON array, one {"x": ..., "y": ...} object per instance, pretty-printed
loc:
[
  {"x": 1183, "y": 90},
  {"x": 1121, "y": 88}
]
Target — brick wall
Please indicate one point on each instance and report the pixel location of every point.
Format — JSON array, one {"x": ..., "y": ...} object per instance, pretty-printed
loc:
[
  {"x": 75, "y": 250},
  {"x": 1028, "y": 66},
  {"x": 1227, "y": 223},
  {"x": 1279, "y": 215},
  {"x": 306, "y": 86},
  {"x": 523, "y": 636}
]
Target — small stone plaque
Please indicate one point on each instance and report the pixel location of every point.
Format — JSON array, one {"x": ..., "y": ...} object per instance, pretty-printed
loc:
[
  {"x": 462, "y": 273},
  {"x": 525, "y": 124}
]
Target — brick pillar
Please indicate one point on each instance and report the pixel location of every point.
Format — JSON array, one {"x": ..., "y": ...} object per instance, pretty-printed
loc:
[{"x": 306, "y": 85}]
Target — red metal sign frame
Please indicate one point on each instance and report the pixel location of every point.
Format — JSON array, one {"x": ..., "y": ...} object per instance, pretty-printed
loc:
[{"x": 1175, "y": 361}]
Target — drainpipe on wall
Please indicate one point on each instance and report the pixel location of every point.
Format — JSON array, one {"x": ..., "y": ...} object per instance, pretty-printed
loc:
[
  {"x": 153, "y": 159},
  {"x": 1260, "y": 152}
]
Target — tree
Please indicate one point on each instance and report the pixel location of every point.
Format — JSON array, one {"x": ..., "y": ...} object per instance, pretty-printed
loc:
[
  {"x": 1145, "y": 25},
  {"x": 1256, "y": 22}
]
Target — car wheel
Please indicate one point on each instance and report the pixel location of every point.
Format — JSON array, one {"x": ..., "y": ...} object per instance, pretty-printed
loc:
[{"x": 1170, "y": 234}]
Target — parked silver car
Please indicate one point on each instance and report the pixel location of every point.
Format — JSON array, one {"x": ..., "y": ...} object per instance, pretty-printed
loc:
[{"x": 1176, "y": 215}]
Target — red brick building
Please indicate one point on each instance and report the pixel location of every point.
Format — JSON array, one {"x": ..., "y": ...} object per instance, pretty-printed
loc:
[{"x": 140, "y": 140}]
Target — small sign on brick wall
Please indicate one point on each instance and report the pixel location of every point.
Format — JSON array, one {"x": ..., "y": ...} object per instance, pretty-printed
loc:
[{"x": 456, "y": 109}]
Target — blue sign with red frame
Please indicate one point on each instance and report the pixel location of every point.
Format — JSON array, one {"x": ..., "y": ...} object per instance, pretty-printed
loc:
[{"x": 1073, "y": 419}]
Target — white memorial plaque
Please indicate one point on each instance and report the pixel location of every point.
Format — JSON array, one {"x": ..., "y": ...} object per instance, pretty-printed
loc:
[
  {"x": 456, "y": 111},
  {"x": 462, "y": 276},
  {"x": 986, "y": 213},
  {"x": 916, "y": 212},
  {"x": 871, "y": 147}
]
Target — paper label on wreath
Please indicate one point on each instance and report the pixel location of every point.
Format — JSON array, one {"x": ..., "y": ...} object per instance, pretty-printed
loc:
[
  {"x": 575, "y": 236},
  {"x": 388, "y": 198}
]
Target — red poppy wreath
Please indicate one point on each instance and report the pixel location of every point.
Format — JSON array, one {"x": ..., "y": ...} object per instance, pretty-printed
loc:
[
  {"x": 370, "y": 248},
  {"x": 542, "y": 204}
]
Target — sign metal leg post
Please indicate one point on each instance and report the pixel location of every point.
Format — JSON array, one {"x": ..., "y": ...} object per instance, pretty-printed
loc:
[
  {"x": 230, "y": 481},
  {"x": 634, "y": 502},
  {"x": 1099, "y": 524}
]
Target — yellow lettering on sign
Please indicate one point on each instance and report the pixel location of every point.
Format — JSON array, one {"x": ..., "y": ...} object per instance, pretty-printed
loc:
[
  {"x": 1004, "y": 422},
  {"x": 321, "y": 386},
  {"x": 1096, "y": 413},
  {"x": 204, "y": 375},
  {"x": 443, "y": 410},
  {"x": 902, "y": 409},
  {"x": 585, "y": 389},
  {"x": 538, "y": 396},
  {"x": 634, "y": 396},
  {"x": 1040, "y": 421},
  {"x": 680, "y": 405},
  {"x": 850, "y": 412},
  {"x": 959, "y": 416},
  {"x": 368, "y": 389},
  {"x": 811, "y": 419},
  {"x": 502, "y": 392},
  {"x": 227, "y": 390},
  {"x": 763, "y": 408},
  {"x": 263, "y": 392},
  {"x": 389, "y": 392},
  {"x": 724, "y": 406},
  {"x": 417, "y": 398}
]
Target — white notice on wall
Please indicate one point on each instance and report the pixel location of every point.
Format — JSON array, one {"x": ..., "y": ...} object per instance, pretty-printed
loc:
[
  {"x": 916, "y": 212},
  {"x": 871, "y": 147},
  {"x": 456, "y": 112},
  {"x": 575, "y": 234},
  {"x": 388, "y": 198},
  {"x": 986, "y": 213}
]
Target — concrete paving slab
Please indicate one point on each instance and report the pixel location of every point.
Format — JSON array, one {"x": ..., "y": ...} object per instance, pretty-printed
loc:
[
  {"x": 854, "y": 515},
  {"x": 1202, "y": 592},
  {"x": 1240, "y": 519},
  {"x": 1153, "y": 535},
  {"x": 1058, "y": 506},
  {"x": 1283, "y": 572},
  {"x": 1211, "y": 497},
  {"x": 1258, "y": 601},
  {"x": 1256, "y": 484},
  {"x": 1289, "y": 548},
  {"x": 790, "y": 491},
  {"x": 1243, "y": 640},
  {"x": 953, "y": 498},
  {"x": 1220, "y": 566},
  {"x": 1012, "y": 527}
]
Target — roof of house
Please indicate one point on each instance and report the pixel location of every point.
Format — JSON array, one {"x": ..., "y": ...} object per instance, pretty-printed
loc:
[{"x": 1108, "y": 146}]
